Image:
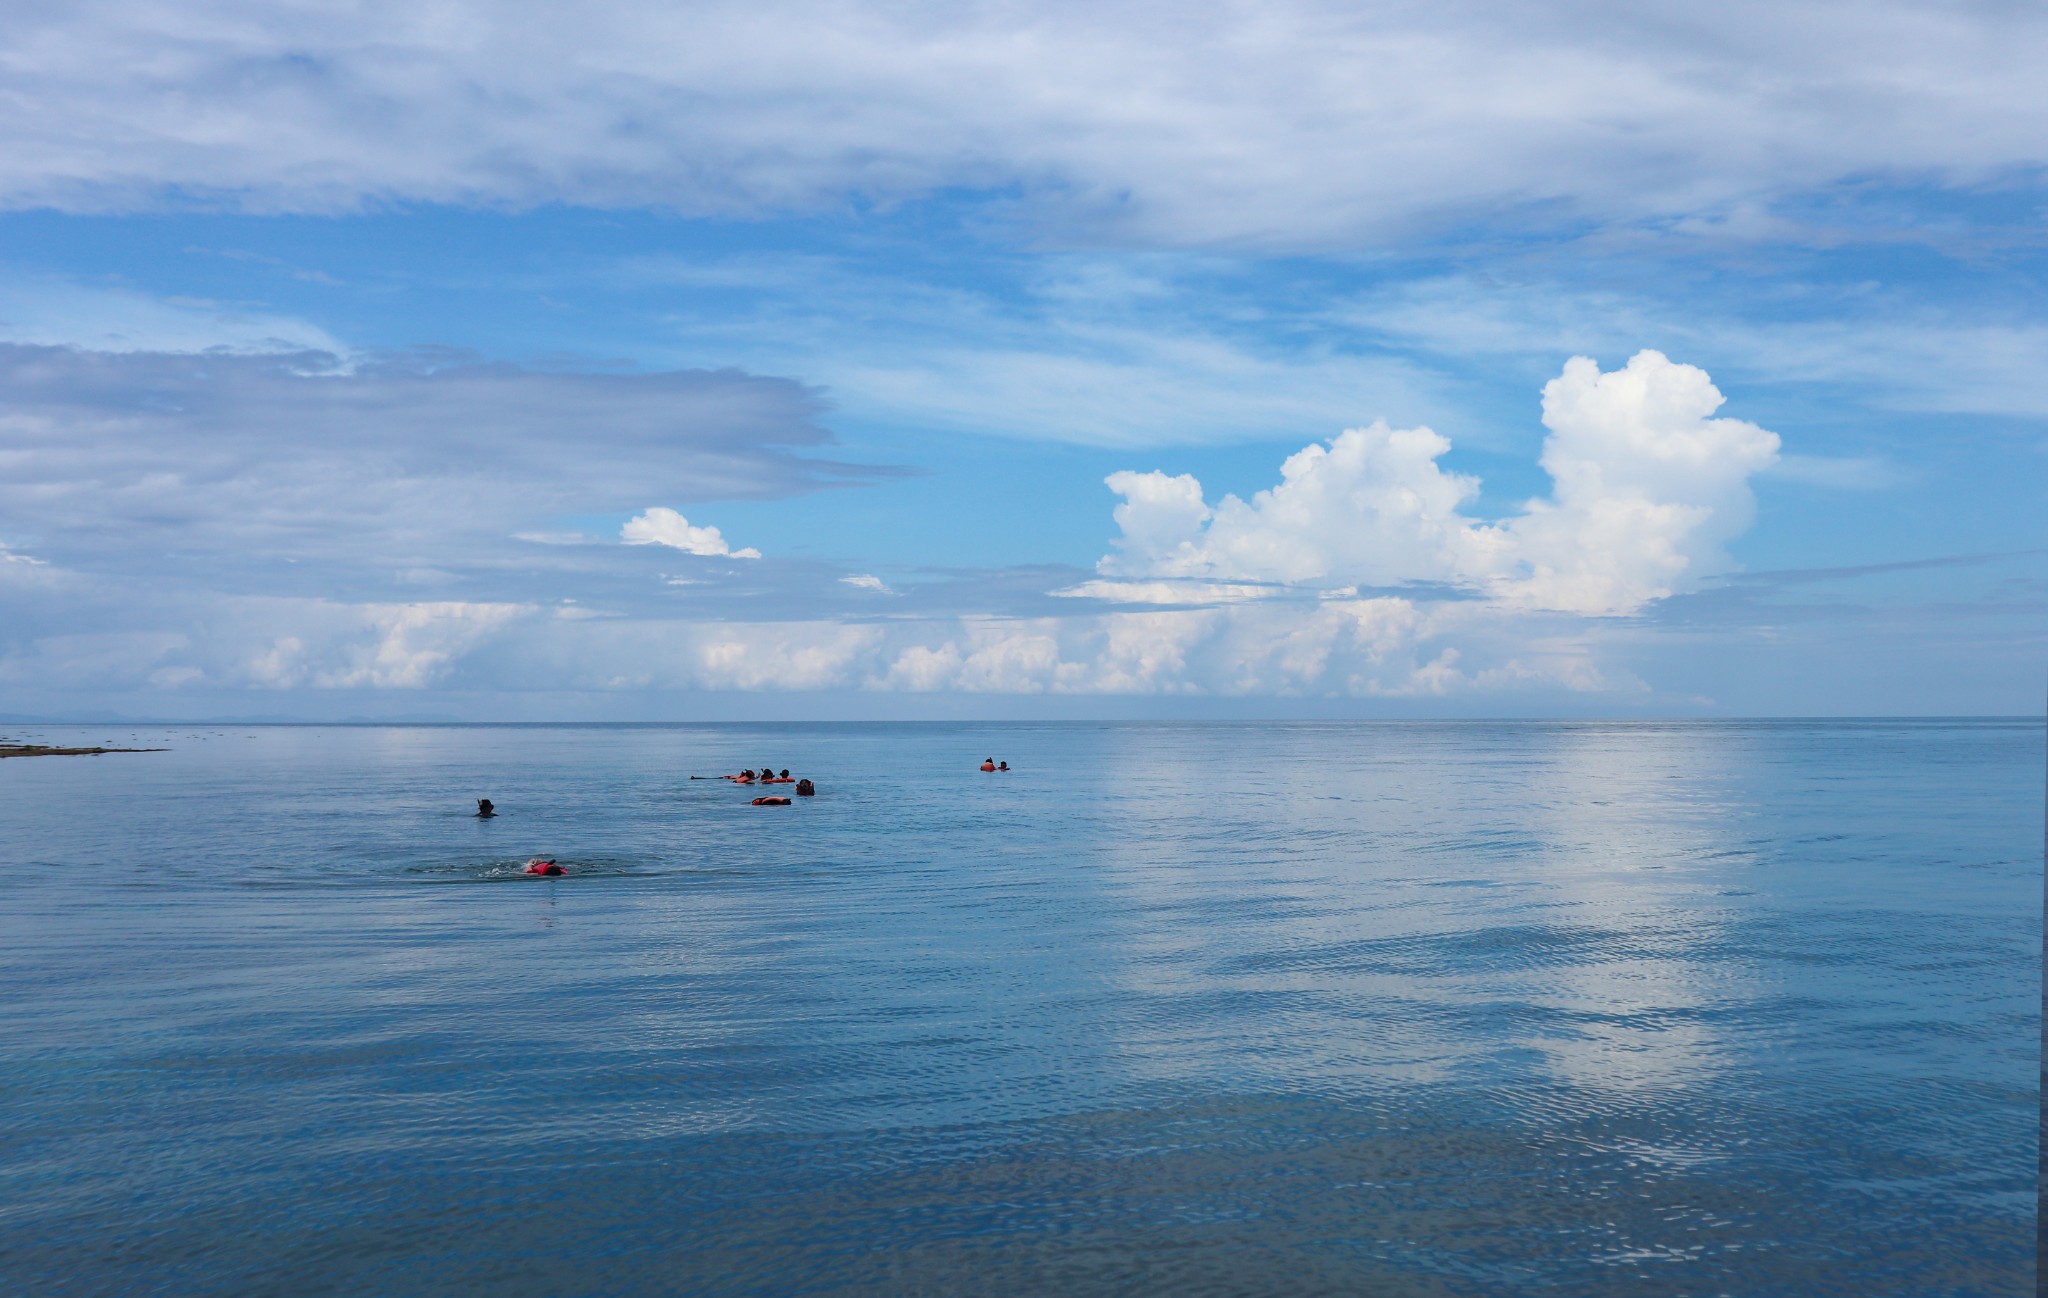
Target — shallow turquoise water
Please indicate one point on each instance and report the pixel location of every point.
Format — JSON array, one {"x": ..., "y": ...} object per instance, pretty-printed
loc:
[{"x": 1700, "y": 1008}]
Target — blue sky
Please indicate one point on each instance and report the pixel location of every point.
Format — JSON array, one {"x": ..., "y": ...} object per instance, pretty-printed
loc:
[{"x": 482, "y": 362}]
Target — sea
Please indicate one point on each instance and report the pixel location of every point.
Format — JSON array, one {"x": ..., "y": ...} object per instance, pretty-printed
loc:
[{"x": 1575, "y": 1008}]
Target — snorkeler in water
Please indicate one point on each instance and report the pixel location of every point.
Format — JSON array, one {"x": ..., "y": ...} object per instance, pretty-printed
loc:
[{"x": 484, "y": 809}]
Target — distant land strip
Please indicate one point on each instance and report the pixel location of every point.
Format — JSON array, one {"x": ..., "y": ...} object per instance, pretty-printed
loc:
[{"x": 44, "y": 750}]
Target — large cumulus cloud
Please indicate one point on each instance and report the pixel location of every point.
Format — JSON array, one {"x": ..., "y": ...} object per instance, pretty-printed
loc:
[{"x": 1647, "y": 487}]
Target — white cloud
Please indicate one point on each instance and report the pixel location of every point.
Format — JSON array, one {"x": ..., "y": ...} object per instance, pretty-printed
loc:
[
  {"x": 662, "y": 526},
  {"x": 376, "y": 646},
  {"x": 1647, "y": 487},
  {"x": 779, "y": 656},
  {"x": 1291, "y": 122},
  {"x": 269, "y": 644},
  {"x": 867, "y": 581},
  {"x": 1371, "y": 507},
  {"x": 19, "y": 571}
]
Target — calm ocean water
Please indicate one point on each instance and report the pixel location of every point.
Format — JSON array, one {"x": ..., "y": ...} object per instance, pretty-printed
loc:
[{"x": 1400, "y": 1009}]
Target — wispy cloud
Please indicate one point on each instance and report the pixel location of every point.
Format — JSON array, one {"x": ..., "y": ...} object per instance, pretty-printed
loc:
[
  {"x": 1065, "y": 349},
  {"x": 1291, "y": 124},
  {"x": 1890, "y": 348},
  {"x": 1178, "y": 350},
  {"x": 58, "y": 312},
  {"x": 1802, "y": 576}
]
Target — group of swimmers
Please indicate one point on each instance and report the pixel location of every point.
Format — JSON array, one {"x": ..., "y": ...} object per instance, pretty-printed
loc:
[
  {"x": 993, "y": 765},
  {"x": 804, "y": 788}
]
